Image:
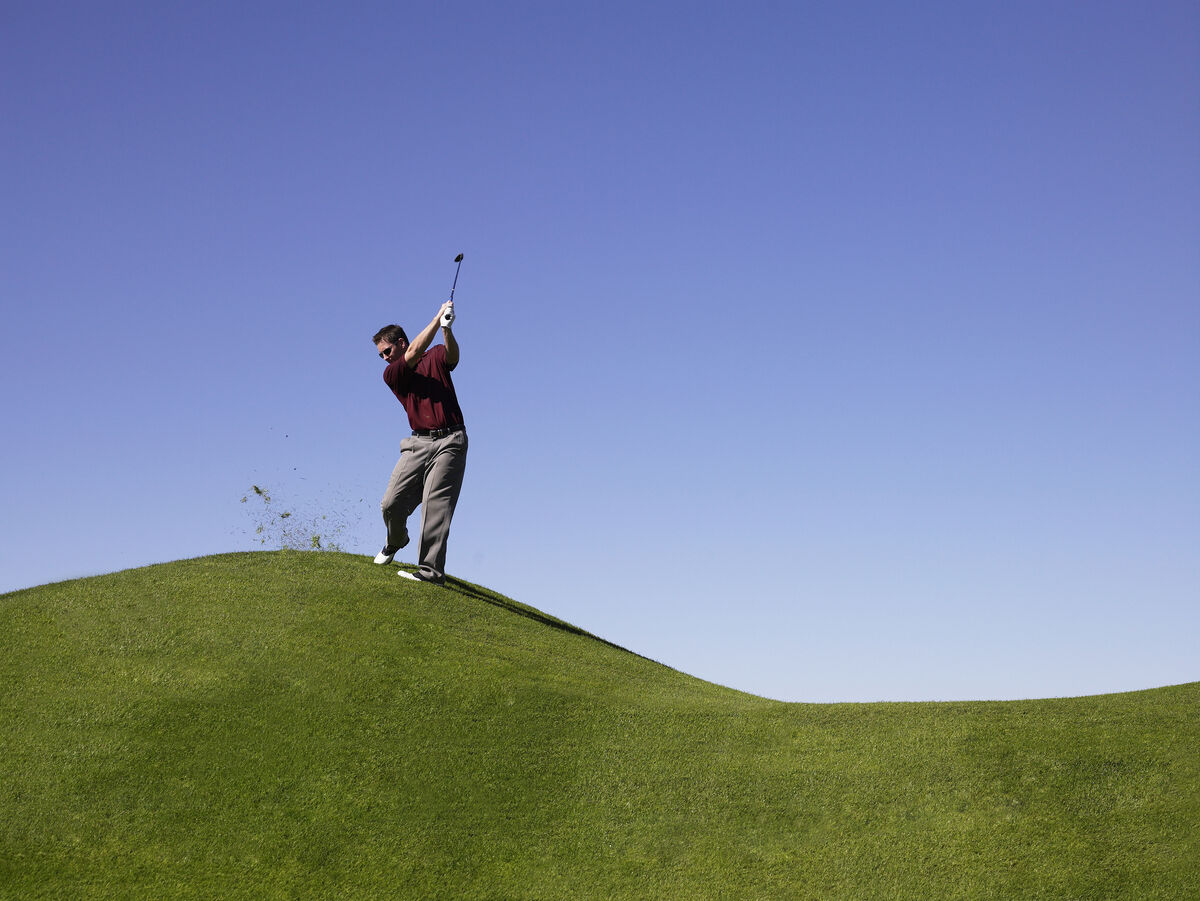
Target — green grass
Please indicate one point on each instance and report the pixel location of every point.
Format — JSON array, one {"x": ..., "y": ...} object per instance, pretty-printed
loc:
[{"x": 287, "y": 725}]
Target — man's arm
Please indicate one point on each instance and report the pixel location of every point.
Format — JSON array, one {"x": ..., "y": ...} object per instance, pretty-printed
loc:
[
  {"x": 421, "y": 343},
  {"x": 451, "y": 346}
]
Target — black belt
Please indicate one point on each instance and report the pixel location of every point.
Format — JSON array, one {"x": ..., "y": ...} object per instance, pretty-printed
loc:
[{"x": 437, "y": 433}]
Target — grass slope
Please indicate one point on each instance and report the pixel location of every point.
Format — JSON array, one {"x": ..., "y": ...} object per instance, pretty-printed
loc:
[{"x": 308, "y": 725}]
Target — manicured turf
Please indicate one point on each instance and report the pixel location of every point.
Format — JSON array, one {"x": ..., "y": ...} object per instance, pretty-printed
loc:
[{"x": 286, "y": 725}]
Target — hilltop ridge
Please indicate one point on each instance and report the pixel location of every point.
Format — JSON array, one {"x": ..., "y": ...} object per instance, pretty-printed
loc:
[{"x": 273, "y": 724}]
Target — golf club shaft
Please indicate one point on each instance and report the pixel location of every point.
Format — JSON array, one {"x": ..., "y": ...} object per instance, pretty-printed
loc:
[{"x": 458, "y": 259}]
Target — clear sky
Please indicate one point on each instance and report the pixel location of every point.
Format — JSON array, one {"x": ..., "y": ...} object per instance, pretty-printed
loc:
[{"x": 829, "y": 351}]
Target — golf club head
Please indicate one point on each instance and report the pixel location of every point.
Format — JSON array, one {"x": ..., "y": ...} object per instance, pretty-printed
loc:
[{"x": 458, "y": 259}]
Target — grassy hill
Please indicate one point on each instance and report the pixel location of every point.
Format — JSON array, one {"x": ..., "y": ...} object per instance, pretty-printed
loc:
[{"x": 286, "y": 725}]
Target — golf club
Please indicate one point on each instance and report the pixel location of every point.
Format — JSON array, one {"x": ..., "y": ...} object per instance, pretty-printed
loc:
[{"x": 457, "y": 259}]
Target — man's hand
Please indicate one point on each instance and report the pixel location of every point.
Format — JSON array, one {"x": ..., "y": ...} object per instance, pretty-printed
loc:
[{"x": 447, "y": 314}]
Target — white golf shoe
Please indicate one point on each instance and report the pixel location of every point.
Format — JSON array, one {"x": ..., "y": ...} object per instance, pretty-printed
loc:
[{"x": 417, "y": 577}]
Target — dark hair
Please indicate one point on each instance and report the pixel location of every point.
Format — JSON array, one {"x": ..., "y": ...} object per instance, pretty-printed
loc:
[{"x": 392, "y": 333}]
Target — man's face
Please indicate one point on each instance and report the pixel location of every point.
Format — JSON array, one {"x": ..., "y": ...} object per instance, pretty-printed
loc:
[{"x": 390, "y": 352}]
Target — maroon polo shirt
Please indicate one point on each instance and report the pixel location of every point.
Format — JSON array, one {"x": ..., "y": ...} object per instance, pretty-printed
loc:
[{"x": 425, "y": 390}]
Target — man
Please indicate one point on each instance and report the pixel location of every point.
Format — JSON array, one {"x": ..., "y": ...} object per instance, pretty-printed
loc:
[{"x": 434, "y": 458}]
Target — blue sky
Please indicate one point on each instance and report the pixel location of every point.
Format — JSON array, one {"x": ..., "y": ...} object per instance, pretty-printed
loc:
[{"x": 829, "y": 351}]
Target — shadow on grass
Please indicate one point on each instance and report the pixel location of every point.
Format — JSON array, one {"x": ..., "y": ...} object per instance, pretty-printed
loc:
[{"x": 465, "y": 588}]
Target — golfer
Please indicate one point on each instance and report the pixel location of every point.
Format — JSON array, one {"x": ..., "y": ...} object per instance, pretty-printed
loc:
[{"x": 434, "y": 458}]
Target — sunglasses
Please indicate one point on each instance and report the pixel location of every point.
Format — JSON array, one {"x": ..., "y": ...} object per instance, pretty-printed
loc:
[{"x": 384, "y": 354}]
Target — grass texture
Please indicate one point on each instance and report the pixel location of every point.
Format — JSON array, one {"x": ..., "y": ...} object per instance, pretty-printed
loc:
[{"x": 299, "y": 725}]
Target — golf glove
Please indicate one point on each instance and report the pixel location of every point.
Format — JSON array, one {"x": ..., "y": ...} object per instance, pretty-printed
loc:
[{"x": 448, "y": 316}]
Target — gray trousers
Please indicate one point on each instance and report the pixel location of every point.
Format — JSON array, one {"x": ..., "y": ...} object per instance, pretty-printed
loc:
[{"x": 430, "y": 473}]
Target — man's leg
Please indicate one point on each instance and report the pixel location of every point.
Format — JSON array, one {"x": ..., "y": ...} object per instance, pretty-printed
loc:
[
  {"x": 403, "y": 492},
  {"x": 444, "y": 470}
]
